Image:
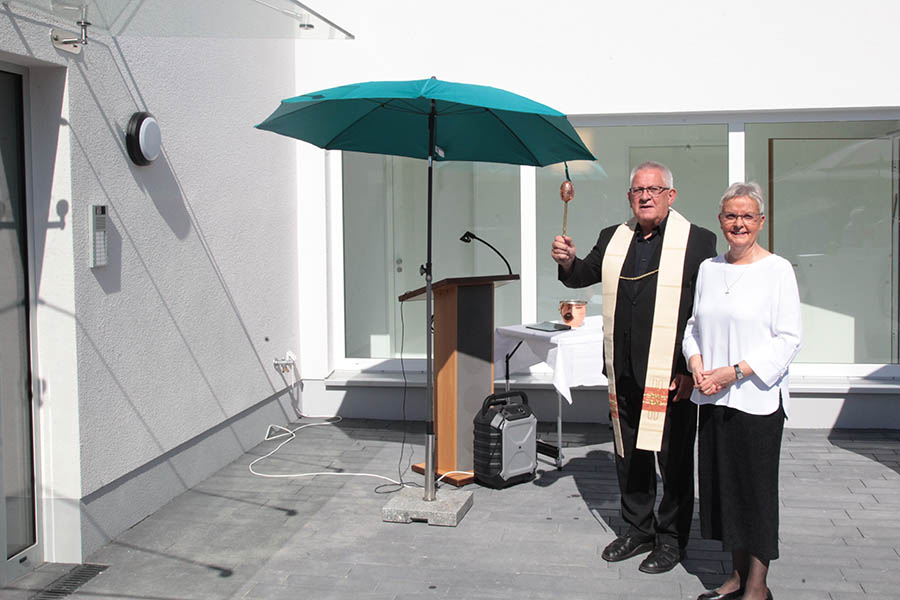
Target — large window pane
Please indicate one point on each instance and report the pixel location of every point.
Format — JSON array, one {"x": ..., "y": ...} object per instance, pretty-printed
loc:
[
  {"x": 385, "y": 210},
  {"x": 697, "y": 155},
  {"x": 832, "y": 214}
]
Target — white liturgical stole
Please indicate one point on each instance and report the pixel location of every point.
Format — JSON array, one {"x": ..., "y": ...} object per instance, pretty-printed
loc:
[{"x": 665, "y": 326}]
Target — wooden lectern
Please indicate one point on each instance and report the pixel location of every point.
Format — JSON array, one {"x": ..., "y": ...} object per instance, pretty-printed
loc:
[{"x": 463, "y": 366}]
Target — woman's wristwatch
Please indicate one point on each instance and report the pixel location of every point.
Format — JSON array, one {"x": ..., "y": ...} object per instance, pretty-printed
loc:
[{"x": 738, "y": 372}]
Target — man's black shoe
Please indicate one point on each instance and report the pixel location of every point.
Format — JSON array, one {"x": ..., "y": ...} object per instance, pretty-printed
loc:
[
  {"x": 663, "y": 558},
  {"x": 625, "y": 547}
]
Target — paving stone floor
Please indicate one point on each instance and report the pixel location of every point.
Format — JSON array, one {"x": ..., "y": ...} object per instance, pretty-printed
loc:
[{"x": 241, "y": 536}]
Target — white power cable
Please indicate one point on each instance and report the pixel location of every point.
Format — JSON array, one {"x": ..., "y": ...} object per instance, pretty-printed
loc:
[
  {"x": 438, "y": 480},
  {"x": 291, "y": 434}
]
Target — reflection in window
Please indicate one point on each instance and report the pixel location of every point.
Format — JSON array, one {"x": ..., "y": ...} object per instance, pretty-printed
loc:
[
  {"x": 697, "y": 156},
  {"x": 385, "y": 213},
  {"x": 830, "y": 188}
]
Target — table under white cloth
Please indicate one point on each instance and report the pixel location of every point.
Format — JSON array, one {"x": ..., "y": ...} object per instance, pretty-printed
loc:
[{"x": 575, "y": 355}]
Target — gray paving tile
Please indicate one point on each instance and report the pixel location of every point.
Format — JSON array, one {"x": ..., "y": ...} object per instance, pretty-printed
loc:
[
  {"x": 864, "y": 575},
  {"x": 239, "y": 536},
  {"x": 812, "y": 579},
  {"x": 861, "y": 596},
  {"x": 795, "y": 594},
  {"x": 880, "y": 588},
  {"x": 885, "y": 562}
]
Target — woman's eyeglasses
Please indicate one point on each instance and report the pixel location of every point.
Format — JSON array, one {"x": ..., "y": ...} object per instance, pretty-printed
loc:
[{"x": 747, "y": 218}]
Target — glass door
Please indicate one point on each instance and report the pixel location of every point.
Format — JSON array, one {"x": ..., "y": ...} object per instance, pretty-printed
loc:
[
  {"x": 832, "y": 213},
  {"x": 17, "y": 504},
  {"x": 385, "y": 242}
]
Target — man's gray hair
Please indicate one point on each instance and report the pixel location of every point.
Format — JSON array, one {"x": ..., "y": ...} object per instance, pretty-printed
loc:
[
  {"x": 741, "y": 189},
  {"x": 668, "y": 179}
]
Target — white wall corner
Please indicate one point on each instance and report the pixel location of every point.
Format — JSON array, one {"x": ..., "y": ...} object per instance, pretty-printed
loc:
[
  {"x": 55, "y": 371},
  {"x": 736, "y": 158},
  {"x": 528, "y": 225},
  {"x": 312, "y": 245},
  {"x": 334, "y": 198}
]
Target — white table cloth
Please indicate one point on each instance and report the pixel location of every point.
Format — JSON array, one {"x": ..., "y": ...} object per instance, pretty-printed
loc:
[{"x": 575, "y": 356}]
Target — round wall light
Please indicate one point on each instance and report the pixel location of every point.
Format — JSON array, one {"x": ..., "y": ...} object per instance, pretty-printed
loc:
[{"x": 143, "y": 138}]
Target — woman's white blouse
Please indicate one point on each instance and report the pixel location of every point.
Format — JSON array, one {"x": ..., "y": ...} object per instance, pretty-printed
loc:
[{"x": 750, "y": 313}]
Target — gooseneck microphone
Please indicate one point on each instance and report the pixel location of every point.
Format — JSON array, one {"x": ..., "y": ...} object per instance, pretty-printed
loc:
[{"x": 468, "y": 236}]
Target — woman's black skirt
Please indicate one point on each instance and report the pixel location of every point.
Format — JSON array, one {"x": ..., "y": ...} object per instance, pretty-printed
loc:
[{"x": 738, "y": 457}]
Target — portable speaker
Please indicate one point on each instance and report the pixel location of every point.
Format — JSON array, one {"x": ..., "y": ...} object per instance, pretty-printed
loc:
[{"x": 505, "y": 446}]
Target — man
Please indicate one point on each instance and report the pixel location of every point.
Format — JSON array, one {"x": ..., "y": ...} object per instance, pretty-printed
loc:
[{"x": 648, "y": 268}]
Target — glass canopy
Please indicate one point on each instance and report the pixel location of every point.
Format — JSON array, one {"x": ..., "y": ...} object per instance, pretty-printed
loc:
[{"x": 194, "y": 18}]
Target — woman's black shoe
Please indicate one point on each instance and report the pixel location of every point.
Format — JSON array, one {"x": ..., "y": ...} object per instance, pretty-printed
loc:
[{"x": 714, "y": 595}]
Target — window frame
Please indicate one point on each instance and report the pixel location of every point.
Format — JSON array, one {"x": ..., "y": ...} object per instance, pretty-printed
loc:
[{"x": 530, "y": 253}]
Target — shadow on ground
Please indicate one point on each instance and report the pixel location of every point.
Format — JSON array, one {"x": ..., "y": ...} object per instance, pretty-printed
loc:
[
  {"x": 595, "y": 478},
  {"x": 879, "y": 445}
]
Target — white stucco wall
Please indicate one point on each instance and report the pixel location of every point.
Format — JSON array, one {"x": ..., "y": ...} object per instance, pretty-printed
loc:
[
  {"x": 144, "y": 358},
  {"x": 178, "y": 333},
  {"x": 585, "y": 57}
]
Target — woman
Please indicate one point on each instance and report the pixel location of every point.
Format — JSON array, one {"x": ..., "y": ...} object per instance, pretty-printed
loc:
[{"x": 739, "y": 341}]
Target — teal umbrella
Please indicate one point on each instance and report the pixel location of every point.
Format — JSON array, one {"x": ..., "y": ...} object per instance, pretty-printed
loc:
[
  {"x": 469, "y": 122},
  {"x": 434, "y": 120}
]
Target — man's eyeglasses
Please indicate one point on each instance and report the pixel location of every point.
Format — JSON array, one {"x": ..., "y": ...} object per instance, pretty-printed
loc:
[
  {"x": 653, "y": 190},
  {"x": 747, "y": 218}
]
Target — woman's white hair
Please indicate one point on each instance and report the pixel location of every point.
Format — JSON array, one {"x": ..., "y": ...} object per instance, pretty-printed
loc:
[
  {"x": 750, "y": 189},
  {"x": 668, "y": 179}
]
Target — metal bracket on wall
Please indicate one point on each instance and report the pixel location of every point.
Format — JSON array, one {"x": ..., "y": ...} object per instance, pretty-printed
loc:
[{"x": 64, "y": 40}]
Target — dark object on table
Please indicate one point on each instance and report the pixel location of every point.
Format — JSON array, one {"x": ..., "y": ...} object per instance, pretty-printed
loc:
[{"x": 549, "y": 326}]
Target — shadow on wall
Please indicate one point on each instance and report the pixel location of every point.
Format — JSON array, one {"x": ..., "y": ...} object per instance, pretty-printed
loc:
[
  {"x": 158, "y": 181},
  {"x": 162, "y": 184},
  {"x": 383, "y": 403},
  {"x": 45, "y": 125}
]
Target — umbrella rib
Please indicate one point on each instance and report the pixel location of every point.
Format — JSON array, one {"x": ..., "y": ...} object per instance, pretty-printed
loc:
[
  {"x": 271, "y": 120},
  {"x": 375, "y": 105},
  {"x": 463, "y": 108},
  {"x": 411, "y": 108},
  {"x": 513, "y": 133},
  {"x": 405, "y": 106}
]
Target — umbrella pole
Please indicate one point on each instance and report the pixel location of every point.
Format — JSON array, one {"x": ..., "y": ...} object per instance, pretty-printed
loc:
[{"x": 429, "y": 388}]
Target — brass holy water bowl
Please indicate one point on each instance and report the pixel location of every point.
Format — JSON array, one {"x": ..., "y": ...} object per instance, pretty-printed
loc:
[{"x": 573, "y": 312}]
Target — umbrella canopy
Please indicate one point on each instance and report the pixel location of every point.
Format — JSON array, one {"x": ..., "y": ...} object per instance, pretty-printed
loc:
[{"x": 473, "y": 122}]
